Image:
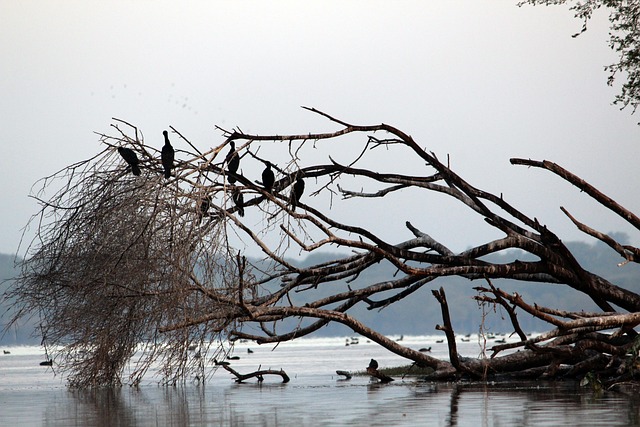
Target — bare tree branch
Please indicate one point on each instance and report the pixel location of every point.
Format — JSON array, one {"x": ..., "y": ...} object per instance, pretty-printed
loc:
[{"x": 123, "y": 263}]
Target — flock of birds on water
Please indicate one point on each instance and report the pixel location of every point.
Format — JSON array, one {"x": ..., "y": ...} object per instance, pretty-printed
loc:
[{"x": 232, "y": 160}]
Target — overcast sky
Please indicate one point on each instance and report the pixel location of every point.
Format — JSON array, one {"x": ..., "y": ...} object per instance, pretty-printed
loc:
[{"x": 482, "y": 81}]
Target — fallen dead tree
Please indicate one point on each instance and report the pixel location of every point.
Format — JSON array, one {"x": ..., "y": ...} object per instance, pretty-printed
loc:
[
  {"x": 259, "y": 374},
  {"x": 122, "y": 259}
]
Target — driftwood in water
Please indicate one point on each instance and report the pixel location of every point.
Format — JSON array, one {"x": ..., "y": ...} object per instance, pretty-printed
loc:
[
  {"x": 379, "y": 375},
  {"x": 257, "y": 374},
  {"x": 345, "y": 374},
  {"x": 372, "y": 370}
]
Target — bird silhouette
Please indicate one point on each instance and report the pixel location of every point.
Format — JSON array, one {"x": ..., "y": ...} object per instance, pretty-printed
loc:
[
  {"x": 233, "y": 162},
  {"x": 238, "y": 199},
  {"x": 131, "y": 158},
  {"x": 296, "y": 192},
  {"x": 168, "y": 155},
  {"x": 205, "y": 204},
  {"x": 373, "y": 365},
  {"x": 268, "y": 178}
]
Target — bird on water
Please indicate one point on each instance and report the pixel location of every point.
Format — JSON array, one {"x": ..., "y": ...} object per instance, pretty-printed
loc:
[
  {"x": 268, "y": 177},
  {"x": 130, "y": 157},
  {"x": 233, "y": 162},
  {"x": 168, "y": 155},
  {"x": 296, "y": 192}
]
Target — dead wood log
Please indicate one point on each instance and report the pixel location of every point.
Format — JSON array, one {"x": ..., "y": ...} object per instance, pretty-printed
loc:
[
  {"x": 345, "y": 374},
  {"x": 257, "y": 374},
  {"x": 451, "y": 337},
  {"x": 372, "y": 370},
  {"x": 379, "y": 375}
]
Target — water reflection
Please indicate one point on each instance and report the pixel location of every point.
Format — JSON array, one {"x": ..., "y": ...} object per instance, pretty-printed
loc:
[
  {"x": 531, "y": 403},
  {"x": 303, "y": 403},
  {"x": 98, "y": 407},
  {"x": 452, "y": 419}
]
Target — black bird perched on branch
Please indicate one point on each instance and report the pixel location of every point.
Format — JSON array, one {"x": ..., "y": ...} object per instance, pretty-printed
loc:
[
  {"x": 130, "y": 157},
  {"x": 268, "y": 178},
  {"x": 238, "y": 199},
  {"x": 296, "y": 192},
  {"x": 372, "y": 370},
  {"x": 205, "y": 204},
  {"x": 168, "y": 155},
  {"x": 233, "y": 162},
  {"x": 373, "y": 365}
]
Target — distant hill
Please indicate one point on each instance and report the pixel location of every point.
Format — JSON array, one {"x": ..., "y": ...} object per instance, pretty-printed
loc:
[
  {"x": 22, "y": 334},
  {"x": 419, "y": 313}
]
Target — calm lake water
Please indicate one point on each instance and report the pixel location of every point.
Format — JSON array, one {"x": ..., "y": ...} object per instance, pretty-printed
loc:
[{"x": 32, "y": 395}]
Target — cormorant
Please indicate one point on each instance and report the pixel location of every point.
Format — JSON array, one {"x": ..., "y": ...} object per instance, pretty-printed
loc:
[
  {"x": 233, "y": 162},
  {"x": 268, "y": 178},
  {"x": 238, "y": 199},
  {"x": 130, "y": 157},
  {"x": 205, "y": 204},
  {"x": 373, "y": 364},
  {"x": 296, "y": 192},
  {"x": 372, "y": 370},
  {"x": 168, "y": 155}
]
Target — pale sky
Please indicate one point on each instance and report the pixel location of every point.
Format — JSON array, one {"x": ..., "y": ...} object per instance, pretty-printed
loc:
[{"x": 482, "y": 81}]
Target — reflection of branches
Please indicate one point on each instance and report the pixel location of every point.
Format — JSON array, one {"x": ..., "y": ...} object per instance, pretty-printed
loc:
[
  {"x": 122, "y": 260},
  {"x": 452, "y": 419}
]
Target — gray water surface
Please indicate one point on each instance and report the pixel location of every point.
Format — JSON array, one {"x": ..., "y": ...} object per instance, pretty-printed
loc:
[{"x": 316, "y": 396}]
